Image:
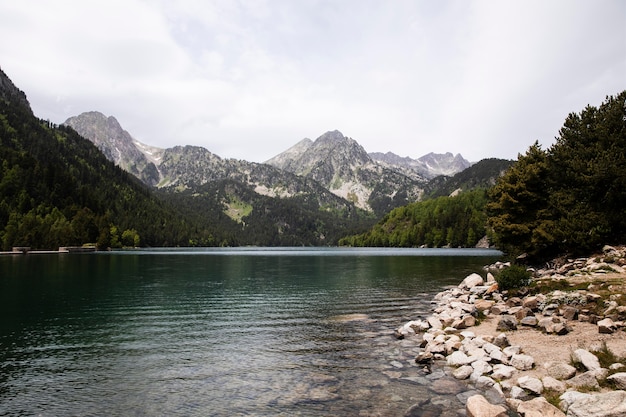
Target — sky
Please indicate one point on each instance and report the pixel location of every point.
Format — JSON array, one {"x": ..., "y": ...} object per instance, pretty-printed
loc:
[{"x": 249, "y": 79}]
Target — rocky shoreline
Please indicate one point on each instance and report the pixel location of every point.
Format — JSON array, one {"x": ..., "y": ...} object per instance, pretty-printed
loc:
[{"x": 475, "y": 329}]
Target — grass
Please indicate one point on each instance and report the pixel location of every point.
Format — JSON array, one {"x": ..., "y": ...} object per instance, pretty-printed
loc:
[{"x": 553, "y": 397}]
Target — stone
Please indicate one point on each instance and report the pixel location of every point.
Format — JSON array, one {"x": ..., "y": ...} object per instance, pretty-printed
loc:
[
  {"x": 478, "y": 406},
  {"x": 501, "y": 371},
  {"x": 509, "y": 351},
  {"x": 424, "y": 358},
  {"x": 518, "y": 393},
  {"x": 523, "y": 312},
  {"x": 531, "y": 384},
  {"x": 586, "y": 380},
  {"x": 458, "y": 358},
  {"x": 484, "y": 382},
  {"x": 560, "y": 370},
  {"x": 501, "y": 341},
  {"x": 447, "y": 386},
  {"x": 619, "y": 380},
  {"x": 435, "y": 323},
  {"x": 570, "y": 313},
  {"x": 587, "y": 359},
  {"x": 498, "y": 309},
  {"x": 482, "y": 305},
  {"x": 529, "y": 321},
  {"x": 570, "y": 397},
  {"x": 463, "y": 372},
  {"x": 423, "y": 408},
  {"x": 552, "y": 384},
  {"x": 538, "y": 407},
  {"x": 522, "y": 362},
  {"x": 609, "y": 404},
  {"x": 507, "y": 323},
  {"x": 606, "y": 326},
  {"x": 471, "y": 281},
  {"x": 481, "y": 367},
  {"x": 531, "y": 303}
]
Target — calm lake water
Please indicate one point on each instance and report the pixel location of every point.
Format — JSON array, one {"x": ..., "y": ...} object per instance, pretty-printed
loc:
[{"x": 220, "y": 332}]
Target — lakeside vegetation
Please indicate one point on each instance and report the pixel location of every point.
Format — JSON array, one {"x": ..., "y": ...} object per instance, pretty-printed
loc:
[{"x": 570, "y": 198}]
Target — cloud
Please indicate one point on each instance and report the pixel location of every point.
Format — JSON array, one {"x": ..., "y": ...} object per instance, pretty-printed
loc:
[{"x": 248, "y": 79}]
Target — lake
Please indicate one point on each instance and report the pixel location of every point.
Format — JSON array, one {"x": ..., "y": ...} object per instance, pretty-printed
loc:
[{"x": 221, "y": 332}]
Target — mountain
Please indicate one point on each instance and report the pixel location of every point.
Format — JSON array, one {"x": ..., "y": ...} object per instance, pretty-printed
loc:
[
  {"x": 58, "y": 189},
  {"x": 482, "y": 174},
  {"x": 342, "y": 166},
  {"x": 262, "y": 199},
  {"x": 117, "y": 144},
  {"x": 428, "y": 166}
]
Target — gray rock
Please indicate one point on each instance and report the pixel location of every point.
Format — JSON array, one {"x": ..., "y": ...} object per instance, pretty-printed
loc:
[
  {"x": 538, "y": 407},
  {"x": 609, "y": 404},
  {"x": 471, "y": 281},
  {"x": 501, "y": 371},
  {"x": 585, "y": 380},
  {"x": 424, "y": 358},
  {"x": 619, "y": 379},
  {"x": 530, "y": 303},
  {"x": 463, "y": 372},
  {"x": 507, "y": 323},
  {"x": 523, "y": 312},
  {"x": 587, "y": 359},
  {"x": 606, "y": 326},
  {"x": 531, "y": 384},
  {"x": 529, "y": 321},
  {"x": 518, "y": 393},
  {"x": 501, "y": 341},
  {"x": 522, "y": 362},
  {"x": 481, "y": 367},
  {"x": 570, "y": 397},
  {"x": 478, "y": 406},
  {"x": 435, "y": 323},
  {"x": 509, "y": 351},
  {"x": 570, "y": 313},
  {"x": 551, "y": 384},
  {"x": 560, "y": 370},
  {"x": 459, "y": 358}
]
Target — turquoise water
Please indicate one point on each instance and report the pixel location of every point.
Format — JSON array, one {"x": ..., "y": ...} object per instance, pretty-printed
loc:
[{"x": 219, "y": 332}]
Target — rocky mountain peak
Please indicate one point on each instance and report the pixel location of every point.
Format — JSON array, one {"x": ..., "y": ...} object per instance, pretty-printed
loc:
[
  {"x": 117, "y": 144},
  {"x": 428, "y": 166}
]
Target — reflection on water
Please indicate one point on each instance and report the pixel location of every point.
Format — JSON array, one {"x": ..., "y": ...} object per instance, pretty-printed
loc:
[{"x": 220, "y": 332}]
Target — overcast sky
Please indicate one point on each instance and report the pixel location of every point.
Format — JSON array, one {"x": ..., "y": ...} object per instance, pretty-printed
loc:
[{"x": 249, "y": 79}]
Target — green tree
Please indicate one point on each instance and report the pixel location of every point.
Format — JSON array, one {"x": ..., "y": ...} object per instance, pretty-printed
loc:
[{"x": 518, "y": 203}]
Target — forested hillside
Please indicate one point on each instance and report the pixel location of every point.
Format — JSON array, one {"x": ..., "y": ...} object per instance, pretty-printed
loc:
[
  {"x": 444, "y": 221},
  {"x": 58, "y": 189}
]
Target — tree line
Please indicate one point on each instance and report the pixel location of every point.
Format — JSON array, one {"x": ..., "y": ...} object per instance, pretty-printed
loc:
[{"x": 568, "y": 199}]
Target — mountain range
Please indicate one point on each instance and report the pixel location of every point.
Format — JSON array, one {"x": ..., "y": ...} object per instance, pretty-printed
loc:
[
  {"x": 332, "y": 163},
  {"x": 89, "y": 180}
]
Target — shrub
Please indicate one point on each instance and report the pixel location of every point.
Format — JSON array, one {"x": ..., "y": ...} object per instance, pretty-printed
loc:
[{"x": 515, "y": 276}]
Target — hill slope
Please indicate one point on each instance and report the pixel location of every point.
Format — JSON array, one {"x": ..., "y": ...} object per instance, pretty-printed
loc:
[{"x": 57, "y": 188}]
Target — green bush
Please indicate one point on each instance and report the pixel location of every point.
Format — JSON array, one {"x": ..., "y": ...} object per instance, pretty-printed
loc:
[{"x": 515, "y": 276}]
